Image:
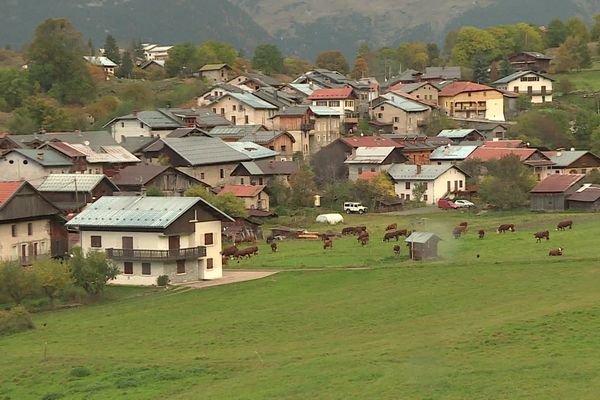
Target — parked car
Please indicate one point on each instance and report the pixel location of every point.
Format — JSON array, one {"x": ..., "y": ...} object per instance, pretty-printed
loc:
[
  {"x": 353, "y": 207},
  {"x": 447, "y": 204},
  {"x": 464, "y": 203}
]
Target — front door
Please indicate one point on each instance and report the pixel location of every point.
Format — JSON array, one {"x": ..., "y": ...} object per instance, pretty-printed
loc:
[
  {"x": 173, "y": 245},
  {"x": 127, "y": 242}
]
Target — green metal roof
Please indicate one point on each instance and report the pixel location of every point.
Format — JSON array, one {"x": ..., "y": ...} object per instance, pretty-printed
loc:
[
  {"x": 322, "y": 110},
  {"x": 46, "y": 157},
  {"x": 421, "y": 237},
  {"x": 72, "y": 182},
  {"x": 136, "y": 212}
]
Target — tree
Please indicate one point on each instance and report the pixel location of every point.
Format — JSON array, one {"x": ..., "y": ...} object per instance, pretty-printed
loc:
[
  {"x": 565, "y": 86},
  {"x": 360, "y": 69},
  {"x": 55, "y": 62},
  {"x": 550, "y": 127},
  {"x": 183, "y": 60},
  {"x": 52, "y": 276},
  {"x": 418, "y": 191},
  {"x": 508, "y": 183},
  {"x": 576, "y": 27},
  {"x": 474, "y": 168},
  {"x": 595, "y": 32},
  {"x": 333, "y": 60},
  {"x": 293, "y": 66},
  {"x": 438, "y": 122},
  {"x": 154, "y": 191},
  {"x": 91, "y": 271},
  {"x": 111, "y": 49},
  {"x": 303, "y": 188},
  {"x": 15, "y": 87},
  {"x": 472, "y": 41},
  {"x": 414, "y": 55},
  {"x": 480, "y": 69},
  {"x": 226, "y": 202},
  {"x": 126, "y": 67},
  {"x": 38, "y": 113},
  {"x": 450, "y": 41},
  {"x": 91, "y": 49},
  {"x": 586, "y": 122},
  {"x": 268, "y": 59},
  {"x": 137, "y": 49},
  {"x": 506, "y": 67},
  {"x": 328, "y": 165},
  {"x": 572, "y": 54},
  {"x": 216, "y": 52},
  {"x": 16, "y": 281},
  {"x": 527, "y": 38},
  {"x": 556, "y": 33},
  {"x": 433, "y": 54}
]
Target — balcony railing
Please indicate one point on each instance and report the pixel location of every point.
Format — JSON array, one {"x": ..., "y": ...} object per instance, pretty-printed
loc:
[
  {"x": 156, "y": 255},
  {"x": 307, "y": 127},
  {"x": 538, "y": 93}
]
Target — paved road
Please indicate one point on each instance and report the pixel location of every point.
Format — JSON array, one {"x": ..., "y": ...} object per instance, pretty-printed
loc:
[{"x": 231, "y": 277}]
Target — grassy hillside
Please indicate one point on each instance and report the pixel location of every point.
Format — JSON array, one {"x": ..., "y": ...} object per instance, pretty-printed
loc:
[{"x": 497, "y": 328}]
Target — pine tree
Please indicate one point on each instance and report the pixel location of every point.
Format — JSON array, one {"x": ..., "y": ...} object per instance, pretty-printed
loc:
[
  {"x": 480, "y": 70},
  {"x": 126, "y": 68},
  {"x": 111, "y": 49}
]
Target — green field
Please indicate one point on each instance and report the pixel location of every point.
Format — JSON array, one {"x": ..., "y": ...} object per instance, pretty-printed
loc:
[
  {"x": 512, "y": 324},
  {"x": 586, "y": 79}
]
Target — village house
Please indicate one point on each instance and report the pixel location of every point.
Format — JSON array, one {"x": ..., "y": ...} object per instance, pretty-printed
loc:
[
  {"x": 235, "y": 133},
  {"x": 300, "y": 91},
  {"x": 33, "y": 165},
  {"x": 534, "y": 85},
  {"x": 366, "y": 90},
  {"x": 374, "y": 160},
  {"x": 251, "y": 81},
  {"x": 539, "y": 163},
  {"x": 156, "y": 52},
  {"x": 507, "y": 144},
  {"x": 30, "y": 226},
  {"x": 440, "y": 181},
  {"x": 94, "y": 139},
  {"x": 573, "y": 161},
  {"x": 587, "y": 198},
  {"x": 551, "y": 193},
  {"x": 207, "y": 159},
  {"x": 142, "y": 123},
  {"x": 472, "y": 100},
  {"x": 441, "y": 74},
  {"x": 139, "y": 178},
  {"x": 107, "y": 65},
  {"x": 71, "y": 192},
  {"x": 153, "y": 67},
  {"x": 451, "y": 154},
  {"x": 264, "y": 172},
  {"x": 276, "y": 97},
  {"x": 462, "y": 135},
  {"x": 420, "y": 90},
  {"x": 342, "y": 100},
  {"x": 253, "y": 196},
  {"x": 243, "y": 109},
  {"x": 403, "y": 114},
  {"x": 146, "y": 237},
  {"x": 490, "y": 129},
  {"x": 7, "y": 143},
  {"x": 406, "y": 76},
  {"x": 215, "y": 72},
  {"x": 324, "y": 78},
  {"x": 530, "y": 61},
  {"x": 415, "y": 148},
  {"x": 280, "y": 141},
  {"x": 216, "y": 91}
]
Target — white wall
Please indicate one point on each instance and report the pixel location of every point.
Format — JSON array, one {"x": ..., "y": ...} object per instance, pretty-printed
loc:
[
  {"x": 536, "y": 87},
  {"x": 212, "y": 251},
  {"x": 435, "y": 189},
  {"x": 15, "y": 167},
  {"x": 10, "y": 247},
  {"x": 129, "y": 128}
]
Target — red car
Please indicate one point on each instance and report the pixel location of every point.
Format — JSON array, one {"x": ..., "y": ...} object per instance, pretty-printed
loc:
[{"x": 447, "y": 204}]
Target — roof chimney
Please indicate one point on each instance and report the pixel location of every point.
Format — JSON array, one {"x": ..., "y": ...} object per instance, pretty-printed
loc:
[
  {"x": 40, "y": 155},
  {"x": 418, "y": 169}
]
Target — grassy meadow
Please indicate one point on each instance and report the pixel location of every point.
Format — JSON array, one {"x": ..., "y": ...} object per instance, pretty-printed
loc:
[{"x": 512, "y": 324}]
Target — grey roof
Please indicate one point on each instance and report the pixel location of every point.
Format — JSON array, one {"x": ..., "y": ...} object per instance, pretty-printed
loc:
[
  {"x": 94, "y": 139},
  {"x": 47, "y": 158},
  {"x": 251, "y": 100},
  {"x": 456, "y": 133},
  {"x": 304, "y": 88},
  {"x": 207, "y": 118},
  {"x": 153, "y": 119},
  {"x": 566, "y": 158},
  {"x": 252, "y": 150},
  {"x": 535, "y": 54},
  {"x": 264, "y": 80},
  {"x": 101, "y": 61},
  {"x": 442, "y": 72},
  {"x": 201, "y": 150},
  {"x": 408, "y": 172},
  {"x": 517, "y": 75},
  {"x": 236, "y": 132},
  {"x": 403, "y": 103},
  {"x": 268, "y": 167},
  {"x": 136, "y": 212},
  {"x": 214, "y": 67},
  {"x": 135, "y": 144},
  {"x": 293, "y": 111},
  {"x": 183, "y": 132},
  {"x": 262, "y": 137},
  {"x": 369, "y": 155},
  {"x": 421, "y": 237},
  {"x": 73, "y": 182},
  {"x": 411, "y": 87},
  {"x": 452, "y": 152}
]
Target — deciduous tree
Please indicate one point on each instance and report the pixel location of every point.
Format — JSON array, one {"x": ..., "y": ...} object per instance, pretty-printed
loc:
[
  {"x": 268, "y": 59},
  {"x": 303, "y": 187},
  {"x": 91, "y": 271},
  {"x": 38, "y": 113},
  {"x": 16, "y": 281},
  {"x": 52, "y": 276},
  {"x": 183, "y": 60},
  {"x": 333, "y": 60},
  {"x": 226, "y": 202},
  {"x": 556, "y": 33},
  {"x": 472, "y": 41},
  {"x": 507, "y": 184}
]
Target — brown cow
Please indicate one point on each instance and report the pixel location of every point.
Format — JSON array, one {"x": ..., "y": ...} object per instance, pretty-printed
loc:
[
  {"x": 391, "y": 227},
  {"x": 270, "y": 239},
  {"x": 273, "y": 247},
  {"x": 481, "y": 233},
  {"x": 360, "y": 229},
  {"x": 562, "y": 225},
  {"x": 249, "y": 239},
  {"x": 391, "y": 235},
  {"x": 348, "y": 231},
  {"x": 229, "y": 251},
  {"x": 237, "y": 240},
  {"x": 556, "y": 252},
  {"x": 224, "y": 260},
  {"x": 247, "y": 252},
  {"x": 465, "y": 224},
  {"x": 364, "y": 240},
  {"x": 457, "y": 231},
  {"x": 327, "y": 243},
  {"x": 541, "y": 235},
  {"x": 403, "y": 232},
  {"x": 397, "y": 249},
  {"x": 362, "y": 235},
  {"x": 505, "y": 227}
]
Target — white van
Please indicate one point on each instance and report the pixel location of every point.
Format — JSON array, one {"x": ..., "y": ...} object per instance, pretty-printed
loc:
[{"x": 351, "y": 207}]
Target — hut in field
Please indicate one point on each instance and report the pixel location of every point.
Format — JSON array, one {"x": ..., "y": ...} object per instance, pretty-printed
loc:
[{"x": 422, "y": 245}]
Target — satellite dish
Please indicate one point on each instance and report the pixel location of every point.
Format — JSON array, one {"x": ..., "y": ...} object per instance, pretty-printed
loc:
[{"x": 87, "y": 143}]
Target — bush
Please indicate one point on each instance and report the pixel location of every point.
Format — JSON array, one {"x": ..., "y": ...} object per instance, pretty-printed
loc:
[
  {"x": 73, "y": 294},
  {"x": 80, "y": 372},
  {"x": 162, "y": 280},
  {"x": 15, "y": 320}
]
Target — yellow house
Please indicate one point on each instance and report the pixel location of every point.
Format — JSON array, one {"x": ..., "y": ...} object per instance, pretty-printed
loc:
[{"x": 472, "y": 101}]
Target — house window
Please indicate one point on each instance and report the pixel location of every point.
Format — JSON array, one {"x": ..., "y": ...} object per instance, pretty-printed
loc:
[
  {"x": 209, "y": 263},
  {"x": 208, "y": 239},
  {"x": 425, "y": 197},
  {"x": 373, "y": 169},
  {"x": 241, "y": 181},
  {"x": 260, "y": 181},
  {"x": 396, "y": 119},
  {"x": 334, "y": 103},
  {"x": 29, "y": 228},
  {"x": 449, "y": 185},
  {"x": 96, "y": 241},
  {"x": 322, "y": 103},
  {"x": 380, "y": 115},
  {"x": 460, "y": 184},
  {"x": 222, "y": 173},
  {"x": 407, "y": 185},
  {"x": 13, "y": 230},
  {"x": 181, "y": 266},
  {"x": 233, "y": 120},
  {"x": 360, "y": 170},
  {"x": 222, "y": 111},
  {"x": 349, "y": 104},
  {"x": 128, "y": 268},
  {"x": 122, "y": 124},
  {"x": 271, "y": 147},
  {"x": 142, "y": 125},
  {"x": 246, "y": 120},
  {"x": 234, "y": 107},
  {"x": 283, "y": 147},
  {"x": 407, "y": 197},
  {"x": 201, "y": 175},
  {"x": 425, "y": 185},
  {"x": 382, "y": 108},
  {"x": 146, "y": 269}
]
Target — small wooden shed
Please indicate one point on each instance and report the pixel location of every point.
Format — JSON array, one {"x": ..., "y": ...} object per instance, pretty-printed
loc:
[{"x": 422, "y": 245}]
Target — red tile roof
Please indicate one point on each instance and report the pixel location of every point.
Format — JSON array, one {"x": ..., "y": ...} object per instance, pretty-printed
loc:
[
  {"x": 496, "y": 153},
  {"x": 370, "y": 141},
  {"x": 504, "y": 143},
  {"x": 336, "y": 93},
  {"x": 7, "y": 190},
  {"x": 462, "y": 87},
  {"x": 242, "y": 190},
  {"x": 557, "y": 183}
]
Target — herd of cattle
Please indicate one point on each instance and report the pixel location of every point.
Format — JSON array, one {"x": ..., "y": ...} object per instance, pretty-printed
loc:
[{"x": 391, "y": 232}]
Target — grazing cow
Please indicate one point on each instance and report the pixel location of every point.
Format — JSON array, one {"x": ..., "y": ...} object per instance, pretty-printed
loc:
[
  {"x": 457, "y": 232},
  {"x": 556, "y": 252},
  {"x": 348, "y": 231},
  {"x": 327, "y": 243},
  {"x": 270, "y": 239},
  {"x": 247, "y": 252},
  {"x": 465, "y": 224},
  {"x": 390, "y": 235},
  {"x": 505, "y": 227},
  {"x": 397, "y": 249},
  {"x": 273, "y": 247},
  {"x": 541, "y": 235},
  {"x": 362, "y": 235},
  {"x": 481, "y": 233},
  {"x": 360, "y": 229},
  {"x": 229, "y": 251},
  {"x": 224, "y": 260},
  {"x": 249, "y": 239},
  {"x": 364, "y": 240},
  {"x": 562, "y": 225},
  {"x": 237, "y": 240},
  {"x": 403, "y": 232},
  {"x": 391, "y": 227}
]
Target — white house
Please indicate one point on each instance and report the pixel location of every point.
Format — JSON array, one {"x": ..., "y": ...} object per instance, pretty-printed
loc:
[
  {"x": 439, "y": 180},
  {"x": 147, "y": 237},
  {"x": 342, "y": 100},
  {"x": 107, "y": 65},
  {"x": 533, "y": 84},
  {"x": 373, "y": 160}
]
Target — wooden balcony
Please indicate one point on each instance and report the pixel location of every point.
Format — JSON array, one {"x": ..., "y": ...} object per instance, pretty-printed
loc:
[
  {"x": 307, "y": 127},
  {"x": 156, "y": 255}
]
